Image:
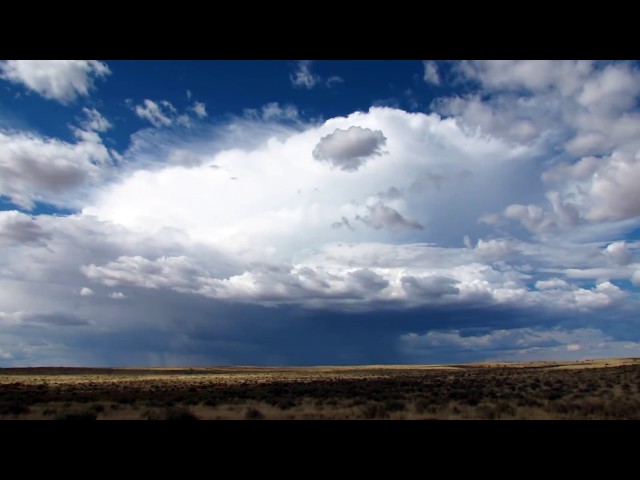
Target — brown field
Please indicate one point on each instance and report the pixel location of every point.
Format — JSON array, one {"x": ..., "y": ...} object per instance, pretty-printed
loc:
[{"x": 592, "y": 389}]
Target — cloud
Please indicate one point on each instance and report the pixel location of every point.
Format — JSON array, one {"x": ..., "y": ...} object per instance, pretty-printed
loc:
[
  {"x": 431, "y": 287},
  {"x": 60, "y": 80},
  {"x": 382, "y": 216},
  {"x": 431, "y": 73},
  {"x": 19, "y": 229},
  {"x": 552, "y": 284},
  {"x": 618, "y": 253},
  {"x": 95, "y": 121},
  {"x": 158, "y": 114},
  {"x": 513, "y": 344},
  {"x": 273, "y": 111},
  {"x": 532, "y": 217},
  {"x": 199, "y": 109},
  {"x": 303, "y": 76},
  {"x": 334, "y": 80},
  {"x": 494, "y": 249},
  {"x": 86, "y": 292},
  {"x": 349, "y": 149},
  {"x": 163, "y": 114},
  {"x": 285, "y": 263},
  {"x": 36, "y": 168}
]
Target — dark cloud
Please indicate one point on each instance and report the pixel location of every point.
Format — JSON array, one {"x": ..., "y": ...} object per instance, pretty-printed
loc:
[
  {"x": 382, "y": 216},
  {"x": 431, "y": 287},
  {"x": 349, "y": 149},
  {"x": 18, "y": 228}
]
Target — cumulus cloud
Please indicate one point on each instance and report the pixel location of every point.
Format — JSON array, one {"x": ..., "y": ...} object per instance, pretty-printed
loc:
[
  {"x": 35, "y": 168},
  {"x": 349, "y": 149},
  {"x": 19, "y": 229},
  {"x": 60, "y": 80},
  {"x": 431, "y": 287},
  {"x": 493, "y": 249},
  {"x": 553, "y": 284},
  {"x": 94, "y": 121},
  {"x": 382, "y": 216},
  {"x": 201, "y": 258},
  {"x": 618, "y": 253},
  {"x": 532, "y": 217},
  {"x": 431, "y": 73}
]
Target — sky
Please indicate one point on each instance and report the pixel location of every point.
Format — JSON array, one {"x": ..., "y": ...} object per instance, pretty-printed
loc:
[{"x": 318, "y": 212}]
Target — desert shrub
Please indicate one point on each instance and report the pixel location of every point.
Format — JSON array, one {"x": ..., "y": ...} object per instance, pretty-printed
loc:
[
  {"x": 14, "y": 408},
  {"x": 84, "y": 415},
  {"x": 394, "y": 405},
  {"x": 179, "y": 413},
  {"x": 374, "y": 410},
  {"x": 505, "y": 409},
  {"x": 253, "y": 414}
]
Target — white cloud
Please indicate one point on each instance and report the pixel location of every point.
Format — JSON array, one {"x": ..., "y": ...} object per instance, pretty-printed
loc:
[
  {"x": 199, "y": 109},
  {"x": 35, "y": 168},
  {"x": 334, "y": 80},
  {"x": 86, "y": 292},
  {"x": 493, "y": 249},
  {"x": 303, "y": 76},
  {"x": 618, "y": 253},
  {"x": 95, "y": 121},
  {"x": 117, "y": 295},
  {"x": 535, "y": 75},
  {"x": 553, "y": 284},
  {"x": 61, "y": 80},
  {"x": 532, "y": 217},
  {"x": 273, "y": 111},
  {"x": 158, "y": 114},
  {"x": 431, "y": 73}
]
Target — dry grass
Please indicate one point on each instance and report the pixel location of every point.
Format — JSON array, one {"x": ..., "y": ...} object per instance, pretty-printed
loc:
[{"x": 599, "y": 389}]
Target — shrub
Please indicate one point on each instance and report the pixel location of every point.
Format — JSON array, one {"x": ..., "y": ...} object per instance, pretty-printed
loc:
[
  {"x": 179, "y": 413},
  {"x": 85, "y": 415},
  {"x": 14, "y": 408},
  {"x": 253, "y": 414},
  {"x": 374, "y": 410}
]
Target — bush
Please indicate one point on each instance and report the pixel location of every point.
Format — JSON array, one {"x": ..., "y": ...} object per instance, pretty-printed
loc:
[
  {"x": 14, "y": 408},
  {"x": 179, "y": 413},
  {"x": 253, "y": 414},
  {"x": 86, "y": 415},
  {"x": 374, "y": 410}
]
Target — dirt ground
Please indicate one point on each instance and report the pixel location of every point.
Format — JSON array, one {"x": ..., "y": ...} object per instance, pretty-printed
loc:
[{"x": 589, "y": 389}]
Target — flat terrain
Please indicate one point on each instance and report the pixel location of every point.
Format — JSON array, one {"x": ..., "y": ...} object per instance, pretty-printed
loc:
[{"x": 592, "y": 389}]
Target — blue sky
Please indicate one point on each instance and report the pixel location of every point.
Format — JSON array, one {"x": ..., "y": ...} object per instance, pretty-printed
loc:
[{"x": 318, "y": 212}]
